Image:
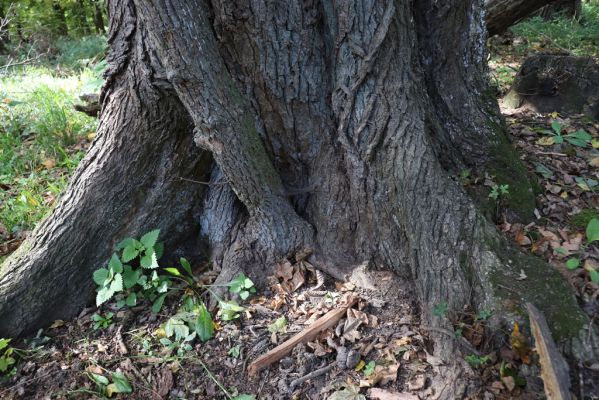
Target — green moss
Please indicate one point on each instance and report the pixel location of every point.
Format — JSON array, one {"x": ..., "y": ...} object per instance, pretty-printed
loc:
[
  {"x": 543, "y": 286},
  {"x": 582, "y": 219},
  {"x": 507, "y": 168}
]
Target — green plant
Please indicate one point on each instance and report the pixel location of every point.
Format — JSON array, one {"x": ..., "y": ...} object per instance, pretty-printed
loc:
[
  {"x": 440, "y": 309},
  {"x": 242, "y": 285},
  {"x": 102, "y": 321},
  {"x": 498, "y": 191},
  {"x": 7, "y": 361},
  {"x": 118, "y": 383},
  {"x": 579, "y": 138},
  {"x": 476, "y": 361},
  {"x": 369, "y": 368},
  {"x": 592, "y": 235},
  {"x": 235, "y": 351}
]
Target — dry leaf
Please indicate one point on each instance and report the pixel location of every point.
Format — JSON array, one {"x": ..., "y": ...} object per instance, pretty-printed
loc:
[
  {"x": 49, "y": 163},
  {"x": 416, "y": 382}
]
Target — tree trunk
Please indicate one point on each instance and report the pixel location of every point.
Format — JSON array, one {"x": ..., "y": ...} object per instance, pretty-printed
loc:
[
  {"x": 61, "y": 20},
  {"x": 334, "y": 126},
  {"x": 83, "y": 27},
  {"x": 564, "y": 8},
  {"x": 501, "y": 14},
  {"x": 99, "y": 17}
]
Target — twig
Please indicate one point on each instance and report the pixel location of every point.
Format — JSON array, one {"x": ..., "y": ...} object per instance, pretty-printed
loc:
[
  {"x": 326, "y": 321},
  {"x": 313, "y": 374}
]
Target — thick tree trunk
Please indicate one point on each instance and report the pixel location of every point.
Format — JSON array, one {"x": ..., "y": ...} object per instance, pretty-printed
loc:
[
  {"x": 501, "y": 14},
  {"x": 335, "y": 126}
]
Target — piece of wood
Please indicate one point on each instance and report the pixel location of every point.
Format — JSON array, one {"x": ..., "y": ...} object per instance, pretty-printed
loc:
[
  {"x": 309, "y": 333},
  {"x": 554, "y": 369}
]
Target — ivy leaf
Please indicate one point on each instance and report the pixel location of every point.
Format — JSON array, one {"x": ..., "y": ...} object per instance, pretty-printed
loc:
[
  {"x": 157, "y": 305},
  {"x": 130, "y": 252},
  {"x": 149, "y": 260},
  {"x": 593, "y": 230},
  {"x": 186, "y": 266},
  {"x": 100, "y": 276},
  {"x": 149, "y": 239},
  {"x": 115, "y": 264},
  {"x": 204, "y": 325}
]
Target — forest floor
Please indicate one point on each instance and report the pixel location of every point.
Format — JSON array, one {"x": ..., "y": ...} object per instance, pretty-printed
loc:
[{"x": 109, "y": 350}]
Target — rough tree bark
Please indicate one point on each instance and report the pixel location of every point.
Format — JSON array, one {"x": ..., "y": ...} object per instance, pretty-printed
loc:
[
  {"x": 565, "y": 8},
  {"x": 335, "y": 126},
  {"x": 501, "y": 14}
]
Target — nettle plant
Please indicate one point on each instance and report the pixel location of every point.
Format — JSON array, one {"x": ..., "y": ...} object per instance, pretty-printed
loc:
[
  {"x": 592, "y": 235},
  {"x": 133, "y": 274}
]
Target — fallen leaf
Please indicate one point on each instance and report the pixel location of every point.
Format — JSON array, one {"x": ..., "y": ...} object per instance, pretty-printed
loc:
[
  {"x": 416, "y": 382},
  {"x": 49, "y": 163}
]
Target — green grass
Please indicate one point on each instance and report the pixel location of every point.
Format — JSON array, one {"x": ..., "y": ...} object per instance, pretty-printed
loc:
[
  {"x": 580, "y": 38},
  {"x": 42, "y": 138}
]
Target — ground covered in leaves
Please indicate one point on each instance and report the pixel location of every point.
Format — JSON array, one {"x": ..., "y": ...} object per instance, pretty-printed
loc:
[{"x": 377, "y": 350}]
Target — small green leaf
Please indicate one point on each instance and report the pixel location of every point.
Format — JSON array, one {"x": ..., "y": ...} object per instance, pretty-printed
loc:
[
  {"x": 593, "y": 230},
  {"x": 121, "y": 383},
  {"x": 235, "y": 351},
  {"x": 244, "y": 294},
  {"x": 173, "y": 271},
  {"x": 440, "y": 309},
  {"x": 100, "y": 276},
  {"x": 557, "y": 127},
  {"x": 186, "y": 265},
  {"x": 572, "y": 263},
  {"x": 159, "y": 250},
  {"x": 131, "y": 299},
  {"x": 104, "y": 294},
  {"x": 117, "y": 283},
  {"x": 229, "y": 310},
  {"x": 149, "y": 239},
  {"x": 130, "y": 276},
  {"x": 594, "y": 275},
  {"x": 100, "y": 379},
  {"x": 278, "y": 326},
  {"x": 369, "y": 368},
  {"x": 559, "y": 139},
  {"x": 115, "y": 264},
  {"x": 157, "y": 305},
  {"x": 149, "y": 261},
  {"x": 204, "y": 326},
  {"x": 125, "y": 243},
  {"x": 130, "y": 252},
  {"x": 244, "y": 397}
]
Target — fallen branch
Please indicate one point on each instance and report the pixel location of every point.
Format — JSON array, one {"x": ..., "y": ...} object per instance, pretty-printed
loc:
[
  {"x": 554, "y": 369},
  {"x": 309, "y": 333}
]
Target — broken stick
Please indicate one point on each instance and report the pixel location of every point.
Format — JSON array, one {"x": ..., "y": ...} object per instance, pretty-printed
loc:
[
  {"x": 309, "y": 333},
  {"x": 554, "y": 369}
]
